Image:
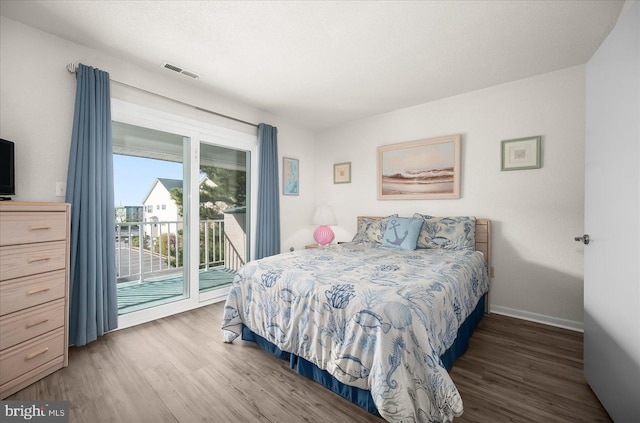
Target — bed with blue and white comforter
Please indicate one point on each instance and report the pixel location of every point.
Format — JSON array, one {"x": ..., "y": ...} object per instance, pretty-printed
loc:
[{"x": 375, "y": 318}]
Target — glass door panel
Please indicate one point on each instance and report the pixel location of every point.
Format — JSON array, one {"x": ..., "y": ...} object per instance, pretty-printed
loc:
[
  {"x": 223, "y": 194},
  {"x": 151, "y": 241}
]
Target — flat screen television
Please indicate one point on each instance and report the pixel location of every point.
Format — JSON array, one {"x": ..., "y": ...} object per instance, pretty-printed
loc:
[{"x": 7, "y": 169}]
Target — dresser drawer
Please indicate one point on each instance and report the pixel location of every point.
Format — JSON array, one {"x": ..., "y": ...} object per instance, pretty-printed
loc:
[
  {"x": 31, "y": 259},
  {"x": 18, "y": 294},
  {"x": 30, "y": 227},
  {"x": 24, "y": 357},
  {"x": 23, "y": 325}
]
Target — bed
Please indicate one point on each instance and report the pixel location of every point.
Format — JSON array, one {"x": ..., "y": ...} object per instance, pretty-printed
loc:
[{"x": 378, "y": 323}]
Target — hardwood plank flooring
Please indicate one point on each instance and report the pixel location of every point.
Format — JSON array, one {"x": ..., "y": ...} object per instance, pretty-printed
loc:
[
  {"x": 178, "y": 369},
  {"x": 520, "y": 371}
]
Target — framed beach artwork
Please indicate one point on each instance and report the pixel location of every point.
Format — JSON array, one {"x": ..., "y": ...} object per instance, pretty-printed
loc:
[
  {"x": 521, "y": 153},
  {"x": 418, "y": 170},
  {"x": 290, "y": 176}
]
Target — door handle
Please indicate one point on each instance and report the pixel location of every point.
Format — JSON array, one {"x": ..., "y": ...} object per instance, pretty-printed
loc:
[{"x": 584, "y": 239}]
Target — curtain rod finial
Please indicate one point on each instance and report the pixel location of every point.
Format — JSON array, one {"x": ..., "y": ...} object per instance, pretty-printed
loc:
[{"x": 72, "y": 67}]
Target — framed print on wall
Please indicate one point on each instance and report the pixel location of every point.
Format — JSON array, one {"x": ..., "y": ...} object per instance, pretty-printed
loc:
[
  {"x": 418, "y": 170},
  {"x": 342, "y": 173},
  {"x": 521, "y": 153},
  {"x": 290, "y": 176}
]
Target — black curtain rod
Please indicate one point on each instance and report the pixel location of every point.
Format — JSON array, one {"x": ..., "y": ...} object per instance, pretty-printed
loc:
[{"x": 72, "y": 68}]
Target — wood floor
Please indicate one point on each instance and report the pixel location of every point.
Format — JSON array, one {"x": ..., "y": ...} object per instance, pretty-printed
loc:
[{"x": 178, "y": 370}]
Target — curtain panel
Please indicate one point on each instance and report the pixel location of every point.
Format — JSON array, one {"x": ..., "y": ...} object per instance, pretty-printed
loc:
[
  {"x": 93, "y": 308},
  {"x": 268, "y": 224}
]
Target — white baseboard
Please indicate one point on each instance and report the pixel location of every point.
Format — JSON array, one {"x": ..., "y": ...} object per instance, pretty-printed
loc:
[{"x": 538, "y": 318}]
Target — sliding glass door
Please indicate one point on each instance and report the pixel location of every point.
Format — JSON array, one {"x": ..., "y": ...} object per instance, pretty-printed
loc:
[
  {"x": 223, "y": 200},
  {"x": 185, "y": 229},
  {"x": 150, "y": 181}
]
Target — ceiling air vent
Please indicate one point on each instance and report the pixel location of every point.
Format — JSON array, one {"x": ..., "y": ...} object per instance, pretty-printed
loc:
[
  {"x": 190, "y": 74},
  {"x": 178, "y": 69}
]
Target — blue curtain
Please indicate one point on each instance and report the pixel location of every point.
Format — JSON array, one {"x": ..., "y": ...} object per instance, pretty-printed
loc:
[
  {"x": 93, "y": 308},
  {"x": 268, "y": 225}
]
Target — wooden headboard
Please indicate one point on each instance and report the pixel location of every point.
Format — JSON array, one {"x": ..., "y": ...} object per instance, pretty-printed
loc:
[{"x": 483, "y": 239}]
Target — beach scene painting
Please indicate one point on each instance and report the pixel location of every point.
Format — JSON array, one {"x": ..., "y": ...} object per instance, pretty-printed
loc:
[{"x": 426, "y": 169}]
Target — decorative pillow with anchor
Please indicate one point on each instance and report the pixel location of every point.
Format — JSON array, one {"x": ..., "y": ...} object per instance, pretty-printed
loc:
[{"x": 402, "y": 233}]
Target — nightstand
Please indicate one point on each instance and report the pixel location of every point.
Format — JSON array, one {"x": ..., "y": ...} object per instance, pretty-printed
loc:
[{"x": 311, "y": 246}]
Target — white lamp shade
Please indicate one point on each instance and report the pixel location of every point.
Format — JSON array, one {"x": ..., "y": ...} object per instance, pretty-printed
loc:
[{"x": 324, "y": 216}]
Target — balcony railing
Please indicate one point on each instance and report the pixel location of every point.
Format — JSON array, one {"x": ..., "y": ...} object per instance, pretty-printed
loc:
[{"x": 152, "y": 249}]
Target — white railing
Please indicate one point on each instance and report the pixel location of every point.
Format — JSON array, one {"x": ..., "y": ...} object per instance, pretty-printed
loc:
[
  {"x": 212, "y": 234},
  {"x": 151, "y": 249},
  {"x": 233, "y": 259}
]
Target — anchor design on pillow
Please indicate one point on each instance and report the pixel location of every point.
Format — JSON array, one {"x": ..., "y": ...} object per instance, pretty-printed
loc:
[{"x": 398, "y": 240}]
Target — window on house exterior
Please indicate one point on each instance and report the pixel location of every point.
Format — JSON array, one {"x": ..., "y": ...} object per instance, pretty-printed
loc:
[{"x": 164, "y": 207}]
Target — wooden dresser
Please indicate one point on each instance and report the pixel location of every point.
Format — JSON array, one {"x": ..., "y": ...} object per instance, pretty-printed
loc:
[{"x": 34, "y": 292}]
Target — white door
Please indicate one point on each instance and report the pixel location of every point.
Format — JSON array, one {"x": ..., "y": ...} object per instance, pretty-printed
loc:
[{"x": 612, "y": 219}]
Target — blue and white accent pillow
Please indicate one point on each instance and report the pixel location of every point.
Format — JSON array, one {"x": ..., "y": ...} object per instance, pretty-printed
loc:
[
  {"x": 447, "y": 233},
  {"x": 402, "y": 233}
]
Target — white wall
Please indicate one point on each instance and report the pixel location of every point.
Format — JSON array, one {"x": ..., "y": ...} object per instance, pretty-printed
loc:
[
  {"x": 36, "y": 111},
  {"x": 535, "y": 213}
]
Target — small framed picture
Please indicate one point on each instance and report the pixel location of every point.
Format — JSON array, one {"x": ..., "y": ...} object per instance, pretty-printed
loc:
[
  {"x": 290, "y": 176},
  {"x": 522, "y": 153},
  {"x": 342, "y": 173}
]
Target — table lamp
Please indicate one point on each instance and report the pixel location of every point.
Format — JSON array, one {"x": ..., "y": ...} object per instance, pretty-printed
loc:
[{"x": 323, "y": 217}]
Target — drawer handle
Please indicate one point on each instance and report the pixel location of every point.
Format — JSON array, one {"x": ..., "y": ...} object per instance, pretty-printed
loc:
[
  {"x": 36, "y": 323},
  {"x": 38, "y": 227},
  {"x": 36, "y": 353},
  {"x": 39, "y": 258},
  {"x": 38, "y": 289}
]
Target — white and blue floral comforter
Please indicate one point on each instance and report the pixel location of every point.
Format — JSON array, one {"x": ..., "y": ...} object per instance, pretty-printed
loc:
[{"x": 375, "y": 318}]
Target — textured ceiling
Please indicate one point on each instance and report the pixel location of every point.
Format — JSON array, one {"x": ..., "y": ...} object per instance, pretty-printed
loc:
[{"x": 320, "y": 64}]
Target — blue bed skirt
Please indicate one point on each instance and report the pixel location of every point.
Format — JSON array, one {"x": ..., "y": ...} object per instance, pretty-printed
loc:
[{"x": 357, "y": 395}]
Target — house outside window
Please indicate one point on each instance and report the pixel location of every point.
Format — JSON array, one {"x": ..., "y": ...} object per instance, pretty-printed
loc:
[{"x": 166, "y": 209}]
